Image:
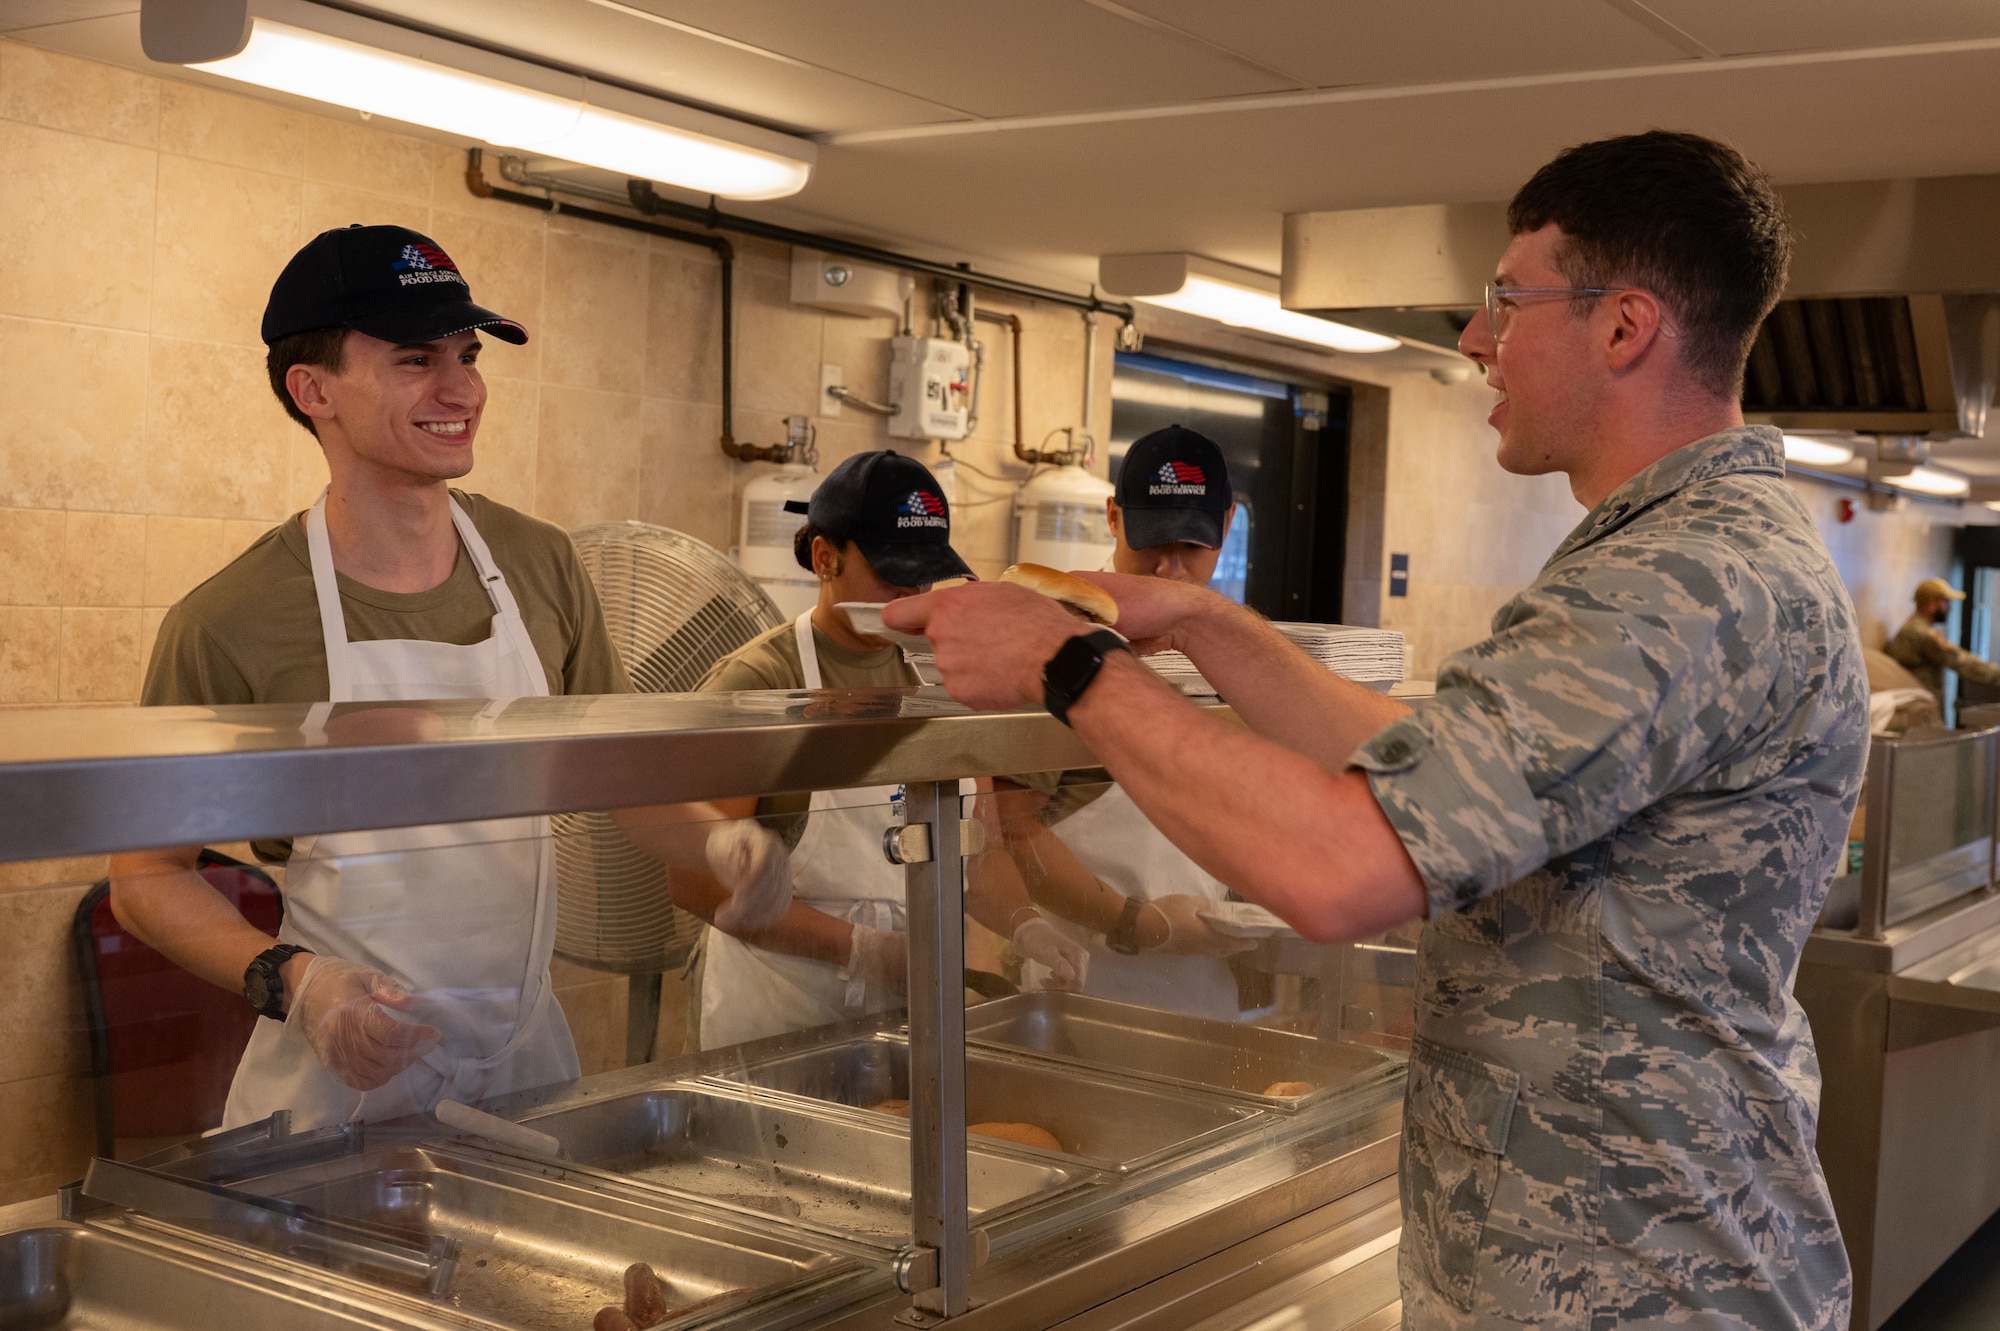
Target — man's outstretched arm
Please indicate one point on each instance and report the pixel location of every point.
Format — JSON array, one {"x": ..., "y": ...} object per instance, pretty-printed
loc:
[
  {"x": 1271, "y": 822},
  {"x": 1276, "y": 689}
]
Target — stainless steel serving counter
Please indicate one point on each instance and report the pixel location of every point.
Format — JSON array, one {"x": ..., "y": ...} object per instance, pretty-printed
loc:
[
  {"x": 764, "y": 1180},
  {"x": 79, "y": 781},
  {"x": 1904, "y": 997}
]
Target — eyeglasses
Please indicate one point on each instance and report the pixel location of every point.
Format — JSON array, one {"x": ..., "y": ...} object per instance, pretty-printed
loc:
[{"x": 1502, "y": 302}]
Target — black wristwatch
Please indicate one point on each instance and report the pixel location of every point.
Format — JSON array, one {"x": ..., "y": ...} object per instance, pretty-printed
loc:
[
  {"x": 263, "y": 986},
  {"x": 1124, "y": 936},
  {"x": 1071, "y": 669}
]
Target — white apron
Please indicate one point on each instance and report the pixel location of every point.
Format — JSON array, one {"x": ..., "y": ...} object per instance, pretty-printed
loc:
[
  {"x": 461, "y": 914},
  {"x": 1110, "y": 837},
  {"x": 748, "y": 993}
]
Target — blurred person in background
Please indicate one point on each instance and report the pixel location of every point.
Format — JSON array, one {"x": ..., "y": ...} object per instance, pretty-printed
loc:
[{"x": 1921, "y": 648}]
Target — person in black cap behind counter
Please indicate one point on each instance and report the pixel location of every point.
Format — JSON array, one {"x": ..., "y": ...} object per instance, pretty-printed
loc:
[
  {"x": 877, "y": 529},
  {"x": 414, "y": 964},
  {"x": 1084, "y": 849},
  {"x": 1173, "y": 507}
]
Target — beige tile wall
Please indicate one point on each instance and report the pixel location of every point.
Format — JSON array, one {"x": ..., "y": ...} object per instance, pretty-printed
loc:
[
  {"x": 1475, "y": 535},
  {"x": 141, "y": 449}
]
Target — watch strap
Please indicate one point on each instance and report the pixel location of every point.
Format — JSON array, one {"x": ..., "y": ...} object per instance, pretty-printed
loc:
[
  {"x": 263, "y": 984},
  {"x": 1124, "y": 936},
  {"x": 1076, "y": 663}
]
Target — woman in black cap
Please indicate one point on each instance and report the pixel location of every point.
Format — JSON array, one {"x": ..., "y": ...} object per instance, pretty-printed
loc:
[{"x": 815, "y": 933}]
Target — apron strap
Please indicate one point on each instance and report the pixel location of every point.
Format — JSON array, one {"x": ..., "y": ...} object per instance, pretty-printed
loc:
[
  {"x": 802, "y": 628},
  {"x": 511, "y": 620},
  {"x": 332, "y": 619}
]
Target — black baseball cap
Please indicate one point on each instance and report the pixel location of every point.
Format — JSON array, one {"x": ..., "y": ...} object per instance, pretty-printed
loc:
[
  {"x": 386, "y": 281},
  {"x": 1174, "y": 486},
  {"x": 891, "y": 507}
]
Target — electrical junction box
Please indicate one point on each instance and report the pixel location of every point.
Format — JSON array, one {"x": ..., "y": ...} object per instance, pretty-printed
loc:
[
  {"x": 843, "y": 286},
  {"x": 930, "y": 386}
]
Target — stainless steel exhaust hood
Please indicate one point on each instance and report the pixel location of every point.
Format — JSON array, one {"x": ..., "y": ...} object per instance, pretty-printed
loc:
[{"x": 1891, "y": 323}]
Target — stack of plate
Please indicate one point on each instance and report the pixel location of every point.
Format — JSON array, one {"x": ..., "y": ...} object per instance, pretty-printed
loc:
[{"x": 1367, "y": 656}]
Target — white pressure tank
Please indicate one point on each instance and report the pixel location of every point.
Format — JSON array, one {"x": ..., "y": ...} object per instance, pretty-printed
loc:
[
  {"x": 765, "y": 532},
  {"x": 1059, "y": 521}
]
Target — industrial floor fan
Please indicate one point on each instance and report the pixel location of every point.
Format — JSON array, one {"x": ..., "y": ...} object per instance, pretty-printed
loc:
[{"x": 675, "y": 606}]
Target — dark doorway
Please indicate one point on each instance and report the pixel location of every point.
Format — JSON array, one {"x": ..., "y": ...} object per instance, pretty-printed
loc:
[{"x": 1286, "y": 446}]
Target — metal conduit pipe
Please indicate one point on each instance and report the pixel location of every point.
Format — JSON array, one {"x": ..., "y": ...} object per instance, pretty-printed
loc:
[
  {"x": 648, "y": 201},
  {"x": 720, "y": 246}
]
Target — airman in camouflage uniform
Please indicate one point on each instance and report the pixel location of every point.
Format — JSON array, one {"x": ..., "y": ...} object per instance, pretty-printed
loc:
[
  {"x": 1626, "y": 806},
  {"x": 1619, "y": 815}
]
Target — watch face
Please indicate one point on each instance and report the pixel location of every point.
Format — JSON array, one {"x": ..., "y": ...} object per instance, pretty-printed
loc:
[{"x": 257, "y": 989}]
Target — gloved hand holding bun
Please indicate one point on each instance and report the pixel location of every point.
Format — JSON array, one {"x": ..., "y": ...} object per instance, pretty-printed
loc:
[
  {"x": 878, "y": 957},
  {"x": 1068, "y": 961},
  {"x": 751, "y": 861}
]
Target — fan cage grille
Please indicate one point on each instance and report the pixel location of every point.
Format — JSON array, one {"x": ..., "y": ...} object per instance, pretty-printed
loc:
[{"x": 674, "y": 606}]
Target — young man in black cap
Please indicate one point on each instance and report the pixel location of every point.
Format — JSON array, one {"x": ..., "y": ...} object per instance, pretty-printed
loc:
[
  {"x": 1085, "y": 850},
  {"x": 1173, "y": 507},
  {"x": 815, "y": 933},
  {"x": 392, "y": 586}
]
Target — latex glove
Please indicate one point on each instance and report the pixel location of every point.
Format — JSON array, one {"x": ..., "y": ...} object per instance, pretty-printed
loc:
[
  {"x": 751, "y": 861},
  {"x": 1190, "y": 935},
  {"x": 1067, "y": 960},
  {"x": 341, "y": 1009},
  {"x": 878, "y": 957}
]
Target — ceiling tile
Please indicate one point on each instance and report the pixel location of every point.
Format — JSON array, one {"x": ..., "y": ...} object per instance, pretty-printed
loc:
[
  {"x": 1220, "y": 183},
  {"x": 1329, "y": 45},
  {"x": 1734, "y": 27},
  {"x": 1018, "y": 58},
  {"x": 677, "y": 64}
]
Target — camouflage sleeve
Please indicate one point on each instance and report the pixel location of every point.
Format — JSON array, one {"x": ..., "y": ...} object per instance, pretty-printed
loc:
[
  {"x": 1621, "y": 673},
  {"x": 1972, "y": 667},
  {"x": 1917, "y": 647}
]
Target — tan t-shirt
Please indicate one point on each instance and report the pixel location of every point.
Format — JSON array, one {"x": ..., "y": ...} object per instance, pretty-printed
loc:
[
  {"x": 771, "y": 661},
  {"x": 251, "y": 633}
]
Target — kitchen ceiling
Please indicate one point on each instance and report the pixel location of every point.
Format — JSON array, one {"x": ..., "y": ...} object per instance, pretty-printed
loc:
[
  {"x": 1038, "y": 134},
  {"x": 1031, "y": 136}
]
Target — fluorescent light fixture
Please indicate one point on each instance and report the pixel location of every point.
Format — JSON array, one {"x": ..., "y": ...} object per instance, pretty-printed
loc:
[
  {"x": 1810, "y": 452},
  {"x": 1239, "y": 297},
  {"x": 331, "y": 56},
  {"x": 1931, "y": 481}
]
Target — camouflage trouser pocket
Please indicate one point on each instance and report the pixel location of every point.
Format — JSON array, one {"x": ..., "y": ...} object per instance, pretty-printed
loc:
[{"x": 1456, "y": 1114}]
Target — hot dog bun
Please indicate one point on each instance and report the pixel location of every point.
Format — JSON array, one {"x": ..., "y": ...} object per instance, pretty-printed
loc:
[
  {"x": 1084, "y": 598},
  {"x": 900, "y": 1108},
  {"x": 1289, "y": 1088},
  {"x": 1027, "y": 1134}
]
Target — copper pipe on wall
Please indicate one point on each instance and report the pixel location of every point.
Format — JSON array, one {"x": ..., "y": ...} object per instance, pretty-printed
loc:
[{"x": 1012, "y": 322}]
